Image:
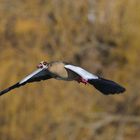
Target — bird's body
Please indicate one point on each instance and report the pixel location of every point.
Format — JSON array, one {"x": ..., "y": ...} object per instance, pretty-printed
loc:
[
  {"x": 58, "y": 71},
  {"x": 68, "y": 72}
]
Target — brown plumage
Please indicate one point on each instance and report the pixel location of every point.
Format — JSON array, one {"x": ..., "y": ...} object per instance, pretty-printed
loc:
[{"x": 58, "y": 71}]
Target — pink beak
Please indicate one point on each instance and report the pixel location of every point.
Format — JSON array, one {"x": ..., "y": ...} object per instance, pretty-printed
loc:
[{"x": 39, "y": 66}]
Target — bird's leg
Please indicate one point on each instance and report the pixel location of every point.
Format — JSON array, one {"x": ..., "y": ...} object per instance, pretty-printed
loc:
[{"x": 81, "y": 80}]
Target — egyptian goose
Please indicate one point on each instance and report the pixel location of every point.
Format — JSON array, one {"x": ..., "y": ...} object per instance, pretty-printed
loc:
[{"x": 64, "y": 71}]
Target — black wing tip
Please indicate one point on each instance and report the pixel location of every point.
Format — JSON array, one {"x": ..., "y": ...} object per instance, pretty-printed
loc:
[
  {"x": 118, "y": 90},
  {"x": 4, "y": 91},
  {"x": 107, "y": 87},
  {"x": 8, "y": 89}
]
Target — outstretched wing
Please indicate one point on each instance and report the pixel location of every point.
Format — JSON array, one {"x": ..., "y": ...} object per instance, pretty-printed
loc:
[
  {"x": 81, "y": 72},
  {"x": 38, "y": 75},
  {"x": 103, "y": 85},
  {"x": 106, "y": 86}
]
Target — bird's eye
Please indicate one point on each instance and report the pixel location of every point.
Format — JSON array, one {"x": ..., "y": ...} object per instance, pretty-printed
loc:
[{"x": 44, "y": 63}]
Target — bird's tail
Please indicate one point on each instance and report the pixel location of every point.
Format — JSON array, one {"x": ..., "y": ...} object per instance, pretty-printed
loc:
[{"x": 106, "y": 86}]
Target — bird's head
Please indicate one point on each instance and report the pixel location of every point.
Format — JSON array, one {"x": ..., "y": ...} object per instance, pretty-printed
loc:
[{"x": 42, "y": 64}]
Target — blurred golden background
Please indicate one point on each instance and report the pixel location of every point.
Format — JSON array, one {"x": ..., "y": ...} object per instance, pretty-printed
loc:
[{"x": 102, "y": 36}]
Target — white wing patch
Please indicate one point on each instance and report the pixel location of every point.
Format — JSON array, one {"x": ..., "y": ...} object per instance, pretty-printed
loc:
[
  {"x": 83, "y": 73},
  {"x": 30, "y": 75}
]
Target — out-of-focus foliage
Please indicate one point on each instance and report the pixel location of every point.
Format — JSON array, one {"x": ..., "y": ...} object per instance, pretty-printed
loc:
[{"x": 99, "y": 35}]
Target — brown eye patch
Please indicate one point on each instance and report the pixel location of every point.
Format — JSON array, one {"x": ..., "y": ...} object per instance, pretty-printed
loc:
[{"x": 44, "y": 63}]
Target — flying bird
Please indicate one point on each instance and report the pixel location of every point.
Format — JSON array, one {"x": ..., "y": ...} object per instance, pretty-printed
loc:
[{"x": 68, "y": 72}]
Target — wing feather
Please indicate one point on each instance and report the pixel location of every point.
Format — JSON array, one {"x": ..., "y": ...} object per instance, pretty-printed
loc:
[
  {"x": 103, "y": 85},
  {"x": 38, "y": 75},
  {"x": 82, "y": 72}
]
